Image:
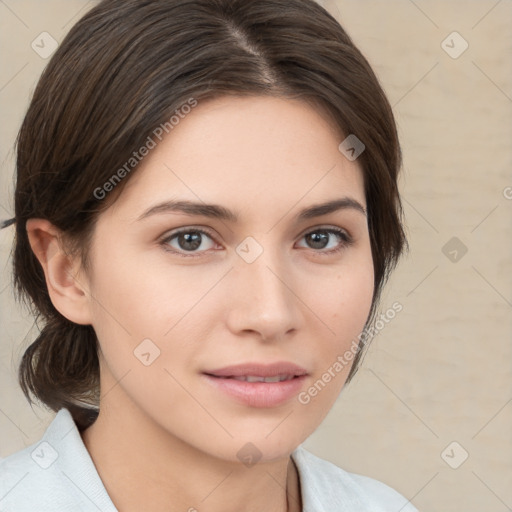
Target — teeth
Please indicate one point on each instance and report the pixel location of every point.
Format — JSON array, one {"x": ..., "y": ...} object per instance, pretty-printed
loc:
[{"x": 254, "y": 378}]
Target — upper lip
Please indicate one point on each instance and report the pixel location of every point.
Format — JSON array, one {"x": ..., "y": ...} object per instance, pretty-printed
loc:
[{"x": 259, "y": 370}]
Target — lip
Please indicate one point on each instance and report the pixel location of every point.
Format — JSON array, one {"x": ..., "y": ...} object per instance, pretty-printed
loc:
[
  {"x": 259, "y": 369},
  {"x": 258, "y": 394}
]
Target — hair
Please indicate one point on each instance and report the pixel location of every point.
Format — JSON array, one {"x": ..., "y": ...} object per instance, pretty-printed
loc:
[{"x": 122, "y": 70}]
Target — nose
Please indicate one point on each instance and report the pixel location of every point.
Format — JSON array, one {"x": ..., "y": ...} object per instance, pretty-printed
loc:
[{"x": 262, "y": 298}]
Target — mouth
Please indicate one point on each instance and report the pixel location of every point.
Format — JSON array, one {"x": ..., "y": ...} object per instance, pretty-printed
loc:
[
  {"x": 259, "y": 385},
  {"x": 257, "y": 378},
  {"x": 259, "y": 372}
]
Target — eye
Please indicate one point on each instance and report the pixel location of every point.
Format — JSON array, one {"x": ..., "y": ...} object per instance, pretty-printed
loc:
[
  {"x": 320, "y": 238},
  {"x": 188, "y": 240}
]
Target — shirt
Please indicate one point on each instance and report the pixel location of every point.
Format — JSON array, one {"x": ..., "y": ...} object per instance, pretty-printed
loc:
[{"x": 57, "y": 474}]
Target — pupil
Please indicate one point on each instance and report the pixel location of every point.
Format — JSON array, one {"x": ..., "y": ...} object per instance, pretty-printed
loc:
[
  {"x": 319, "y": 236},
  {"x": 193, "y": 240}
]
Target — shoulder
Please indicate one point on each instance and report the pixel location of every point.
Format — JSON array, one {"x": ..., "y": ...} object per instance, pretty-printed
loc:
[
  {"x": 28, "y": 478},
  {"x": 325, "y": 485},
  {"x": 53, "y": 474}
]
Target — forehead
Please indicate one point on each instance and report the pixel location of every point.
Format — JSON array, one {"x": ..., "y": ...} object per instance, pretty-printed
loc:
[{"x": 246, "y": 152}]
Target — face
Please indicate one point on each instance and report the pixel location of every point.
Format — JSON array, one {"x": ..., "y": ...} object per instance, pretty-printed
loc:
[{"x": 177, "y": 296}]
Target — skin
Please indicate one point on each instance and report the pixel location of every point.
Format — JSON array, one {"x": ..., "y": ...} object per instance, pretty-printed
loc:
[{"x": 163, "y": 436}]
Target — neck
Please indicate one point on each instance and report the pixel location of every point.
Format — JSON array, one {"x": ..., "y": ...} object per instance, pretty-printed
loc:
[{"x": 140, "y": 463}]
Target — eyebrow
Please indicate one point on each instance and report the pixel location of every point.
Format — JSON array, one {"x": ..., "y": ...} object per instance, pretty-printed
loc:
[{"x": 215, "y": 211}]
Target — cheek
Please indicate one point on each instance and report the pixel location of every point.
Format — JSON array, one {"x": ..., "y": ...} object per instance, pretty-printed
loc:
[
  {"x": 343, "y": 306},
  {"x": 136, "y": 299},
  {"x": 346, "y": 298},
  {"x": 354, "y": 297},
  {"x": 128, "y": 291},
  {"x": 120, "y": 296}
]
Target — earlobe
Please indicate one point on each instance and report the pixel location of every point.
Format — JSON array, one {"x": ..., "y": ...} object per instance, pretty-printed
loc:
[{"x": 67, "y": 289}]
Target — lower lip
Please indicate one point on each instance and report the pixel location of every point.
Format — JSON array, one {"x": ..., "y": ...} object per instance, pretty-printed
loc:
[{"x": 258, "y": 394}]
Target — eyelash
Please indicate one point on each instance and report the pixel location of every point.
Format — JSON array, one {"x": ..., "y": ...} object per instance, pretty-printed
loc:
[{"x": 346, "y": 240}]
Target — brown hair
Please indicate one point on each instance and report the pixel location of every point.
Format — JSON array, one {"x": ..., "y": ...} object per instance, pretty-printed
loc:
[{"x": 122, "y": 71}]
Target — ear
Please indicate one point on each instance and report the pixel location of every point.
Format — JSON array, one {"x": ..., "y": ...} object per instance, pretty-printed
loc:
[{"x": 67, "y": 285}]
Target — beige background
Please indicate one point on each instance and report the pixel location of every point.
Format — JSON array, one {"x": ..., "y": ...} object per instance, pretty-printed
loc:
[{"x": 441, "y": 370}]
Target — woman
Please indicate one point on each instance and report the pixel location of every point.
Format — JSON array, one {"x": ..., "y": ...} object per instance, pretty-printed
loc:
[{"x": 206, "y": 211}]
